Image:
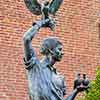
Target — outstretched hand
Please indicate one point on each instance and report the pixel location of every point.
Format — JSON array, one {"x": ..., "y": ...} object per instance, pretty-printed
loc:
[
  {"x": 41, "y": 23},
  {"x": 82, "y": 88},
  {"x": 49, "y": 23}
]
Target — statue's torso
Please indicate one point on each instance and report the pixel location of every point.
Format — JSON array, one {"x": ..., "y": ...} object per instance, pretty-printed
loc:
[{"x": 45, "y": 83}]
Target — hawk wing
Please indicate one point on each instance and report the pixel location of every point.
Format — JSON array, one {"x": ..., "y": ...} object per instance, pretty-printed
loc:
[
  {"x": 33, "y": 6},
  {"x": 54, "y": 6}
]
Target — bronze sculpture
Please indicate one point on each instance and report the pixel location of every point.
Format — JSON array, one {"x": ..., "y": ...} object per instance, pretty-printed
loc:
[
  {"x": 45, "y": 83},
  {"x": 44, "y": 9},
  {"x": 85, "y": 80},
  {"x": 35, "y": 7},
  {"x": 79, "y": 86},
  {"x": 77, "y": 81}
]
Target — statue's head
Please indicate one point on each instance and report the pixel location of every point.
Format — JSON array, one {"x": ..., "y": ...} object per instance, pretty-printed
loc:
[{"x": 52, "y": 47}]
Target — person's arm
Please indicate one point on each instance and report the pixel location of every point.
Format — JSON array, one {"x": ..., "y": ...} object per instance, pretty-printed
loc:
[
  {"x": 73, "y": 95},
  {"x": 76, "y": 91},
  {"x": 27, "y": 41}
]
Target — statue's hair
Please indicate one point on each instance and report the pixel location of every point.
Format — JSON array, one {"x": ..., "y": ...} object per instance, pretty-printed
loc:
[{"x": 48, "y": 44}]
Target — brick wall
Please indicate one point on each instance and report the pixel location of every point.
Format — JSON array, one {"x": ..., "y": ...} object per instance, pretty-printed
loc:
[{"x": 78, "y": 29}]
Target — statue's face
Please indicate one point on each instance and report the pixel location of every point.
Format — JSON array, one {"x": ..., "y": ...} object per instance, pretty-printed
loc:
[{"x": 58, "y": 53}]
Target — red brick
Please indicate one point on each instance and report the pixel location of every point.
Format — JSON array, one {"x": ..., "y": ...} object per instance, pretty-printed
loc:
[{"x": 77, "y": 27}]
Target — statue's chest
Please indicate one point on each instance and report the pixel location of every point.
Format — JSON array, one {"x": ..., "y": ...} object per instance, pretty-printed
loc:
[
  {"x": 58, "y": 80},
  {"x": 53, "y": 77}
]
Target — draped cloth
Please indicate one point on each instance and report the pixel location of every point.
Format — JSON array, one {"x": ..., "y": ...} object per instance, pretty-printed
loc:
[{"x": 44, "y": 82}]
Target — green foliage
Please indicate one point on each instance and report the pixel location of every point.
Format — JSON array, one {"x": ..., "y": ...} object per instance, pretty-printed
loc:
[{"x": 94, "y": 90}]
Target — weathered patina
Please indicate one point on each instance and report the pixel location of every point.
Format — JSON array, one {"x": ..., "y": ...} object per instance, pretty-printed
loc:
[{"x": 44, "y": 81}]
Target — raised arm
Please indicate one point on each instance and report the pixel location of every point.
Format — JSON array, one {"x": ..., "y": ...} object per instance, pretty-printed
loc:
[
  {"x": 30, "y": 58},
  {"x": 27, "y": 41},
  {"x": 28, "y": 36}
]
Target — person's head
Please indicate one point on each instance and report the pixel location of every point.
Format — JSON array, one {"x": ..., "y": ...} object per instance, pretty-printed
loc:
[{"x": 52, "y": 47}]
